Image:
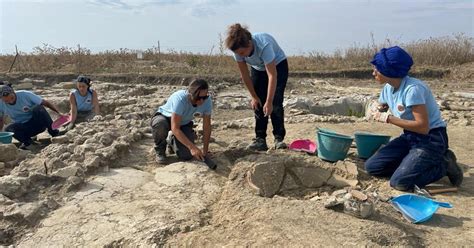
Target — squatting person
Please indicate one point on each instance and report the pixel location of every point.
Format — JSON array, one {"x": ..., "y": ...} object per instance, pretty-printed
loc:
[{"x": 29, "y": 117}]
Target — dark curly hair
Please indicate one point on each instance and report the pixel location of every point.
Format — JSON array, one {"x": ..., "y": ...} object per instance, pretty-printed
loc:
[{"x": 237, "y": 37}]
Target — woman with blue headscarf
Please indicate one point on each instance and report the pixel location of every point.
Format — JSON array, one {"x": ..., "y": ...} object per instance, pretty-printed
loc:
[{"x": 420, "y": 155}]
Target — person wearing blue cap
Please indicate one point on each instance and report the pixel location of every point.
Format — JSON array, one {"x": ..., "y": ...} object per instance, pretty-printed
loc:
[
  {"x": 28, "y": 114},
  {"x": 84, "y": 102},
  {"x": 266, "y": 81},
  {"x": 420, "y": 155}
]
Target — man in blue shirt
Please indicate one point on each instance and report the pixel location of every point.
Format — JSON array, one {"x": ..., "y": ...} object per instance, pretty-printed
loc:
[
  {"x": 420, "y": 155},
  {"x": 27, "y": 113},
  {"x": 266, "y": 81},
  {"x": 177, "y": 115}
]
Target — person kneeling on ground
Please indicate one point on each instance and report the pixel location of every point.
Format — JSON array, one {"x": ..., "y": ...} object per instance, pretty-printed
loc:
[
  {"x": 420, "y": 155},
  {"x": 84, "y": 102},
  {"x": 28, "y": 114},
  {"x": 177, "y": 115}
]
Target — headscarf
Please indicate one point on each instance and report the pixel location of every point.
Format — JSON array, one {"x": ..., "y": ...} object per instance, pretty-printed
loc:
[{"x": 393, "y": 62}]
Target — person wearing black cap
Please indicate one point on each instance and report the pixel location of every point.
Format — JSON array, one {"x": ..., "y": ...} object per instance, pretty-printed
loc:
[
  {"x": 177, "y": 116},
  {"x": 420, "y": 155},
  {"x": 84, "y": 102},
  {"x": 27, "y": 112}
]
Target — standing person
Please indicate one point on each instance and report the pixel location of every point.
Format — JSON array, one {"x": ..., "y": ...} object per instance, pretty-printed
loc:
[
  {"x": 266, "y": 81},
  {"x": 420, "y": 155},
  {"x": 84, "y": 102},
  {"x": 177, "y": 115},
  {"x": 28, "y": 114}
]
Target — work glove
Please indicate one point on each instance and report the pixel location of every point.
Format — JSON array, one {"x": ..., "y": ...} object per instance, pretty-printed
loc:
[{"x": 380, "y": 116}]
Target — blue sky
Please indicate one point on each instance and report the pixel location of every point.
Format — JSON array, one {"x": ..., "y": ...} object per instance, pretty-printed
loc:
[{"x": 300, "y": 26}]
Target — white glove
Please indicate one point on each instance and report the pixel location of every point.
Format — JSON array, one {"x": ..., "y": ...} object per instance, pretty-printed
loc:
[{"x": 380, "y": 116}]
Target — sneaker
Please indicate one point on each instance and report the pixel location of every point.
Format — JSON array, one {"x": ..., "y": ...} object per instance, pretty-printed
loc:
[
  {"x": 279, "y": 144},
  {"x": 258, "y": 144},
  {"x": 56, "y": 132},
  {"x": 453, "y": 171},
  {"x": 24, "y": 146},
  {"x": 160, "y": 158}
]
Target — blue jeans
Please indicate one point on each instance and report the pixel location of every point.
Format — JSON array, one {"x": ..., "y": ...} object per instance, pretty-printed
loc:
[
  {"x": 411, "y": 159},
  {"x": 40, "y": 120}
]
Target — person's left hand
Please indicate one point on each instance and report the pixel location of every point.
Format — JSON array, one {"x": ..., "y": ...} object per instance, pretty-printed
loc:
[
  {"x": 380, "y": 116},
  {"x": 267, "y": 109}
]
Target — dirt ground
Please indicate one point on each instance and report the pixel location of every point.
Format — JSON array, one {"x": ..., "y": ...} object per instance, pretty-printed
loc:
[{"x": 127, "y": 200}]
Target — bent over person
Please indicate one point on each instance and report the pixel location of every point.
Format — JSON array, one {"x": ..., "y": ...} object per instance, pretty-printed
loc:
[
  {"x": 28, "y": 114},
  {"x": 266, "y": 81},
  {"x": 177, "y": 115},
  {"x": 420, "y": 155}
]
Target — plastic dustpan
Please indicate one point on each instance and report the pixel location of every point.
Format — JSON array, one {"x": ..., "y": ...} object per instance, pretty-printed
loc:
[
  {"x": 304, "y": 145},
  {"x": 417, "y": 208},
  {"x": 61, "y": 121}
]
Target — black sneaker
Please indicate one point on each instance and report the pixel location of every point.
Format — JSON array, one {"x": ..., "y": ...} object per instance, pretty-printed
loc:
[
  {"x": 258, "y": 144},
  {"x": 453, "y": 171},
  {"x": 279, "y": 144},
  {"x": 56, "y": 132},
  {"x": 161, "y": 159}
]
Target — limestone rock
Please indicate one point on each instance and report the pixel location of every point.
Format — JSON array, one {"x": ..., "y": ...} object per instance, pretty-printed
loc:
[
  {"x": 8, "y": 152},
  {"x": 12, "y": 186},
  {"x": 267, "y": 177},
  {"x": 312, "y": 177}
]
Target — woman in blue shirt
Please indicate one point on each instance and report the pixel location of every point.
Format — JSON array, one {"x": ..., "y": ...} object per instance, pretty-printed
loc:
[
  {"x": 266, "y": 81},
  {"x": 420, "y": 155},
  {"x": 27, "y": 112},
  {"x": 84, "y": 102}
]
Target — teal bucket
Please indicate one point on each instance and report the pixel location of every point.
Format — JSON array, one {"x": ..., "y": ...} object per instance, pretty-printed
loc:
[
  {"x": 333, "y": 146},
  {"x": 368, "y": 143},
  {"x": 6, "y": 137}
]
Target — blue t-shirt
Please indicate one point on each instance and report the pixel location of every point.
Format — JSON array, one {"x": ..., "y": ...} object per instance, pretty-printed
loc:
[
  {"x": 180, "y": 104},
  {"x": 21, "y": 111},
  {"x": 265, "y": 51},
  {"x": 411, "y": 92},
  {"x": 83, "y": 103}
]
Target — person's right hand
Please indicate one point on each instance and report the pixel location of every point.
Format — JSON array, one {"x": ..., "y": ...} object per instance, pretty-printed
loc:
[
  {"x": 255, "y": 102},
  {"x": 197, "y": 153}
]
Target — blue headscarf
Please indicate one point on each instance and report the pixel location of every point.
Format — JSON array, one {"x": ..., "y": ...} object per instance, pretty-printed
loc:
[{"x": 392, "y": 62}]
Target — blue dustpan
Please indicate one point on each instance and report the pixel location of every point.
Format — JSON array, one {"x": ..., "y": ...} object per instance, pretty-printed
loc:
[{"x": 417, "y": 208}]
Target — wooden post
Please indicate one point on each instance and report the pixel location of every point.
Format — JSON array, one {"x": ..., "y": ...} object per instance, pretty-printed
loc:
[{"x": 16, "y": 55}]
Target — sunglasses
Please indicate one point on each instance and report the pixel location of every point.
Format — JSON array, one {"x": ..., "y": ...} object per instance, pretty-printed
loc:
[
  {"x": 5, "y": 93},
  {"x": 201, "y": 97}
]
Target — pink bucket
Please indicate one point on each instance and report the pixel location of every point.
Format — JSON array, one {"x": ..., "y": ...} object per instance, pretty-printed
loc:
[
  {"x": 305, "y": 145},
  {"x": 61, "y": 121}
]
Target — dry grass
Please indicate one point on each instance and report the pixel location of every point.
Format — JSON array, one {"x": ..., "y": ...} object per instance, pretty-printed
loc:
[{"x": 432, "y": 52}]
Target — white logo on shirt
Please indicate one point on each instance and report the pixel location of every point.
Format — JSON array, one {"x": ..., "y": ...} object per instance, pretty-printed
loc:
[
  {"x": 197, "y": 115},
  {"x": 26, "y": 108}
]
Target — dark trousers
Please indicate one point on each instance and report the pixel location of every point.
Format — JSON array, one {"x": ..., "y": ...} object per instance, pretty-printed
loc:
[
  {"x": 161, "y": 125},
  {"x": 411, "y": 159},
  {"x": 260, "y": 84},
  {"x": 39, "y": 121}
]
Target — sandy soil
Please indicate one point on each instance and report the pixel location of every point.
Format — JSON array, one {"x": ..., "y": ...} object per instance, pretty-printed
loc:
[{"x": 130, "y": 201}]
